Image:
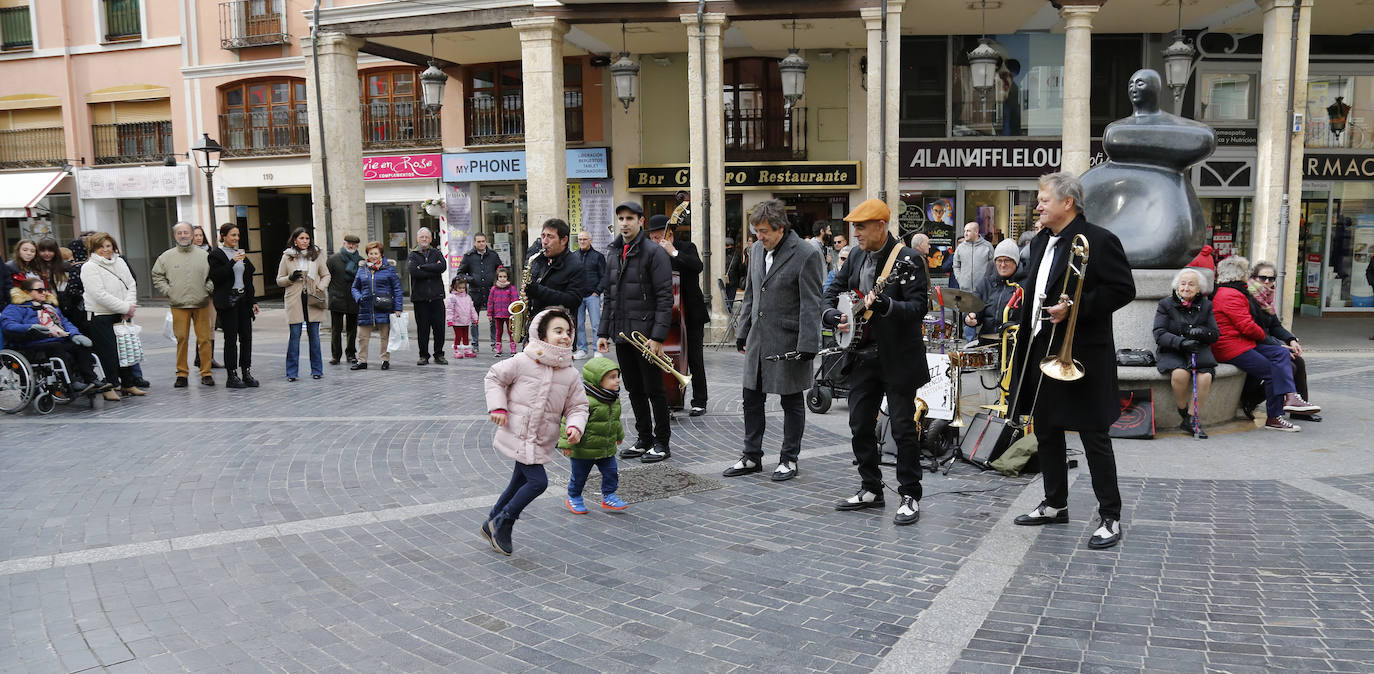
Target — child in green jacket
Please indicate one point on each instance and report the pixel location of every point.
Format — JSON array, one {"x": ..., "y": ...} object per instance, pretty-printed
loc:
[{"x": 601, "y": 379}]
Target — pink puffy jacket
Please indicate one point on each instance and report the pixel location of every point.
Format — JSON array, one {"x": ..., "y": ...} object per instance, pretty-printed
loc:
[
  {"x": 537, "y": 389},
  {"x": 458, "y": 309}
]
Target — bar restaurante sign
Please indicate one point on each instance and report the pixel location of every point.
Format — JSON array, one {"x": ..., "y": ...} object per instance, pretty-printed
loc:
[
  {"x": 984, "y": 158},
  {"x": 798, "y": 175}
]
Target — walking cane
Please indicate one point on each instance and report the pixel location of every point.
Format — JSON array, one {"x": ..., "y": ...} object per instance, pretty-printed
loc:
[{"x": 1196, "y": 411}]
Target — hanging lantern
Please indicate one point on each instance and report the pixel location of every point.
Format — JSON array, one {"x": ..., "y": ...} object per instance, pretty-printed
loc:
[
  {"x": 792, "y": 69},
  {"x": 1178, "y": 60},
  {"x": 432, "y": 82},
  {"x": 1336, "y": 114},
  {"x": 625, "y": 73},
  {"x": 982, "y": 62}
]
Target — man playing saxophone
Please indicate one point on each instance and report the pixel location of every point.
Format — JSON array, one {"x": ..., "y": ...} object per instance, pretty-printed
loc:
[{"x": 1100, "y": 278}]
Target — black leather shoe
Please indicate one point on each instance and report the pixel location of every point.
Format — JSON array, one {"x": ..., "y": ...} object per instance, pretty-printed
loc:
[
  {"x": 248, "y": 379},
  {"x": 386, "y": 365},
  {"x": 635, "y": 451},
  {"x": 358, "y": 366},
  {"x": 142, "y": 383},
  {"x": 697, "y": 411},
  {"x": 908, "y": 513},
  {"x": 422, "y": 361},
  {"x": 785, "y": 471},
  {"x": 440, "y": 360},
  {"x": 744, "y": 466},
  {"x": 1043, "y": 514},
  {"x": 1107, "y": 535},
  {"x": 179, "y": 383},
  {"x": 207, "y": 380},
  {"x": 658, "y": 453},
  {"x": 233, "y": 381},
  {"x": 860, "y": 500}
]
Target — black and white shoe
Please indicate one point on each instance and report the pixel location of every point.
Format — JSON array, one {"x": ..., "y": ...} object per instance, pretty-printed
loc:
[
  {"x": 1043, "y": 514},
  {"x": 1107, "y": 535},
  {"x": 658, "y": 453},
  {"x": 785, "y": 471},
  {"x": 907, "y": 513},
  {"x": 696, "y": 411},
  {"x": 637, "y": 450},
  {"x": 860, "y": 500},
  {"x": 744, "y": 466}
]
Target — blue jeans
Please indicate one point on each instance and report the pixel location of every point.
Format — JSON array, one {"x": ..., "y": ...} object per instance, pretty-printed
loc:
[
  {"x": 293, "y": 350},
  {"x": 591, "y": 308},
  {"x": 1273, "y": 364},
  {"x": 526, "y": 484},
  {"x": 581, "y": 468}
]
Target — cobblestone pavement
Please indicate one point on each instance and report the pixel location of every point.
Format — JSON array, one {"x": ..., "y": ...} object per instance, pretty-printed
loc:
[{"x": 331, "y": 525}]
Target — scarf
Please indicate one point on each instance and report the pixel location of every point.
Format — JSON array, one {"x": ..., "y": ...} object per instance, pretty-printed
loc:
[
  {"x": 1186, "y": 304},
  {"x": 605, "y": 395},
  {"x": 374, "y": 267},
  {"x": 48, "y": 318},
  {"x": 353, "y": 258},
  {"x": 1263, "y": 293}
]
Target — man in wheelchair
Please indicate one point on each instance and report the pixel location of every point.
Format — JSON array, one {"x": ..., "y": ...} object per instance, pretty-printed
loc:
[{"x": 39, "y": 331}]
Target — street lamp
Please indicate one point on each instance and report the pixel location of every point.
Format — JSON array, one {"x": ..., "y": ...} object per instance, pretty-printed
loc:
[
  {"x": 1336, "y": 114},
  {"x": 983, "y": 59},
  {"x": 207, "y": 152},
  {"x": 432, "y": 82},
  {"x": 792, "y": 70},
  {"x": 625, "y": 72},
  {"x": 1178, "y": 60}
]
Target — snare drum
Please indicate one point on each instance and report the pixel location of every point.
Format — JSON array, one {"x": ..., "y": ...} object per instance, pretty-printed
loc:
[
  {"x": 934, "y": 332},
  {"x": 981, "y": 358}
]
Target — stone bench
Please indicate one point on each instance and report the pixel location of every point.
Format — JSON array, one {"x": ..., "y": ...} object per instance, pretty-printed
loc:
[{"x": 1220, "y": 406}]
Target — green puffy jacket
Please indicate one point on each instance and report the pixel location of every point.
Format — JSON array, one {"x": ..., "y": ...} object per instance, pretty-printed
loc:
[{"x": 603, "y": 431}]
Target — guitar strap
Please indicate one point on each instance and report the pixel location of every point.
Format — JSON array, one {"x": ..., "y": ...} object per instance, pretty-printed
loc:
[{"x": 887, "y": 270}]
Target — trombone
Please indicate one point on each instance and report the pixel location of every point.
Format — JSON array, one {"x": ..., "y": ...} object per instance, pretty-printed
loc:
[
  {"x": 640, "y": 342},
  {"x": 1061, "y": 367}
]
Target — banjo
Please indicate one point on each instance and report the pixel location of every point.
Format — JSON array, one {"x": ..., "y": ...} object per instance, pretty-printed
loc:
[{"x": 851, "y": 304}]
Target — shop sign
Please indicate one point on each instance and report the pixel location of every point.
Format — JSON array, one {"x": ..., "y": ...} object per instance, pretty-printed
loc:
[
  {"x": 591, "y": 162},
  {"x": 768, "y": 175},
  {"x": 404, "y": 166},
  {"x": 984, "y": 158},
  {"x": 1338, "y": 166},
  {"x": 1242, "y": 136},
  {"x": 135, "y": 182}
]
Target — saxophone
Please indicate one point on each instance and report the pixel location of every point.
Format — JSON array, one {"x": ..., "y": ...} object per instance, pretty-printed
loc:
[{"x": 519, "y": 316}]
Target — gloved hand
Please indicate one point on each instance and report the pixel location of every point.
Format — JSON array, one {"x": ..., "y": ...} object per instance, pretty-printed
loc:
[
  {"x": 297, "y": 275},
  {"x": 1190, "y": 346},
  {"x": 739, "y": 344},
  {"x": 881, "y": 304},
  {"x": 806, "y": 356},
  {"x": 82, "y": 340},
  {"x": 39, "y": 329},
  {"x": 1197, "y": 332}
]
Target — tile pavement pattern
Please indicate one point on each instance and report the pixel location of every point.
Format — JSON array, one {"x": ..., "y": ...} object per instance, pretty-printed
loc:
[{"x": 752, "y": 576}]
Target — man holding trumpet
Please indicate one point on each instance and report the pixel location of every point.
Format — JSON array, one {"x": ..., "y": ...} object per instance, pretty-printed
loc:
[
  {"x": 639, "y": 299},
  {"x": 1078, "y": 276}
]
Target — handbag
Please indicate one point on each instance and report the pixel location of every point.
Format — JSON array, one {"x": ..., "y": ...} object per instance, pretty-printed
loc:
[
  {"x": 1137, "y": 420},
  {"x": 1135, "y": 358},
  {"x": 316, "y": 298},
  {"x": 381, "y": 304},
  {"x": 128, "y": 344}
]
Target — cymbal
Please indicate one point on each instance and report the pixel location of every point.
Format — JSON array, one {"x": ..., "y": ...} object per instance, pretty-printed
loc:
[{"x": 962, "y": 300}]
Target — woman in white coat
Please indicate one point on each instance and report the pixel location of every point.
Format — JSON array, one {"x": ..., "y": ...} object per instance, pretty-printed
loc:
[{"x": 111, "y": 296}]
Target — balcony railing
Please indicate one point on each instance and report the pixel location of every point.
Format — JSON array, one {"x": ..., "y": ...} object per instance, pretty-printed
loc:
[
  {"x": 252, "y": 23},
  {"x": 132, "y": 143},
  {"x": 399, "y": 124},
  {"x": 32, "y": 148},
  {"x": 122, "y": 20},
  {"x": 263, "y": 133},
  {"x": 765, "y": 135},
  {"x": 493, "y": 121}
]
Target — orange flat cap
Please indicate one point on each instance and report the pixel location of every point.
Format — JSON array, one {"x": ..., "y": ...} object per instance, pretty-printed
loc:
[{"x": 873, "y": 209}]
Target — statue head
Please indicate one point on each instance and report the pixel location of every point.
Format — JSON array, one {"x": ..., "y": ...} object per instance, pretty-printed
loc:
[{"x": 1144, "y": 91}]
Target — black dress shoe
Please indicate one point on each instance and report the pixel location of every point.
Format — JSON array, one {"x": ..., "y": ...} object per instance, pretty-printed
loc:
[
  {"x": 386, "y": 365},
  {"x": 862, "y": 499},
  {"x": 907, "y": 513},
  {"x": 635, "y": 451},
  {"x": 248, "y": 379},
  {"x": 1107, "y": 535},
  {"x": 233, "y": 381},
  {"x": 658, "y": 453},
  {"x": 207, "y": 380},
  {"x": 1043, "y": 514},
  {"x": 142, "y": 383},
  {"x": 358, "y": 366},
  {"x": 179, "y": 383},
  {"x": 744, "y": 466},
  {"x": 785, "y": 471},
  {"x": 697, "y": 411}
]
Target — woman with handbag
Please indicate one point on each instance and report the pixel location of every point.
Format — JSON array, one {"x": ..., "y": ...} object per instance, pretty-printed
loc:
[
  {"x": 231, "y": 272},
  {"x": 306, "y": 278},
  {"x": 111, "y": 297},
  {"x": 1185, "y": 330},
  {"x": 377, "y": 289}
]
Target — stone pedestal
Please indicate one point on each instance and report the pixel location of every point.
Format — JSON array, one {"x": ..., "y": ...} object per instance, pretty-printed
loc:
[
  {"x": 342, "y": 136},
  {"x": 546, "y": 173}
]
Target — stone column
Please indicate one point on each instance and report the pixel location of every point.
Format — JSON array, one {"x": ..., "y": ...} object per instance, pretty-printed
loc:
[
  {"x": 708, "y": 171},
  {"x": 341, "y": 102},
  {"x": 1078, "y": 64},
  {"x": 546, "y": 171},
  {"x": 878, "y": 154},
  {"x": 1275, "y": 136}
]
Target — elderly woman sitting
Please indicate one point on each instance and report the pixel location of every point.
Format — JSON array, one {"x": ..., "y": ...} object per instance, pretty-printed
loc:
[
  {"x": 38, "y": 330},
  {"x": 1184, "y": 330},
  {"x": 1245, "y": 343}
]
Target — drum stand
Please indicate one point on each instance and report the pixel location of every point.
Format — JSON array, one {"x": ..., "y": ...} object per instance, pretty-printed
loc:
[{"x": 957, "y": 422}]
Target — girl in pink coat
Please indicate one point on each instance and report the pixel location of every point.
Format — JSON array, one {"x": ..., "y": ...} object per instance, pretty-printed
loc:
[
  {"x": 460, "y": 315},
  {"x": 528, "y": 398}
]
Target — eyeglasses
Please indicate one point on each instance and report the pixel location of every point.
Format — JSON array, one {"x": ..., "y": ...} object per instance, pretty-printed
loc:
[{"x": 1266, "y": 279}]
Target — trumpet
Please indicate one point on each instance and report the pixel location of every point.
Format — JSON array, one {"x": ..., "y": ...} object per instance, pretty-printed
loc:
[
  {"x": 1062, "y": 366},
  {"x": 639, "y": 341}
]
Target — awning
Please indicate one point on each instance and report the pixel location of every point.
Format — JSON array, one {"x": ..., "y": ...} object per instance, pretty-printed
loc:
[{"x": 20, "y": 192}]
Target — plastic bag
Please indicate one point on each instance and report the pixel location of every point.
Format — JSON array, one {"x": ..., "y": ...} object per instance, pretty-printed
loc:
[
  {"x": 399, "y": 339},
  {"x": 167, "y": 330},
  {"x": 128, "y": 344}
]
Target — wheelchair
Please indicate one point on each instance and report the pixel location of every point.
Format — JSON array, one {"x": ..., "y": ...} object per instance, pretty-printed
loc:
[{"x": 43, "y": 385}]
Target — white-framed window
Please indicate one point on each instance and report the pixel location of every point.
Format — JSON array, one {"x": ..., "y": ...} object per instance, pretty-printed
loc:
[
  {"x": 120, "y": 20},
  {"x": 16, "y": 25}
]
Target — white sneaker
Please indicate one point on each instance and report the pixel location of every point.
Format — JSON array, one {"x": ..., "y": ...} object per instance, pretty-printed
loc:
[{"x": 579, "y": 354}]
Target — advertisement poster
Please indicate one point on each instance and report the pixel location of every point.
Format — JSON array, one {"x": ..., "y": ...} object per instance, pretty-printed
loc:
[
  {"x": 940, "y": 211},
  {"x": 1312, "y": 273},
  {"x": 458, "y": 207},
  {"x": 596, "y": 203},
  {"x": 574, "y": 210},
  {"x": 1361, "y": 293}
]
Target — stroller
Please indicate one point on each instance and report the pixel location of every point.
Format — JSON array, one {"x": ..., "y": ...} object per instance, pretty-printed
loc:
[{"x": 829, "y": 382}]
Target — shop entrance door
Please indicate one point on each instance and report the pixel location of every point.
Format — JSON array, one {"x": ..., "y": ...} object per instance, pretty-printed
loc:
[
  {"x": 392, "y": 224},
  {"x": 1312, "y": 252},
  {"x": 503, "y": 221},
  {"x": 1002, "y": 210},
  {"x": 145, "y": 233}
]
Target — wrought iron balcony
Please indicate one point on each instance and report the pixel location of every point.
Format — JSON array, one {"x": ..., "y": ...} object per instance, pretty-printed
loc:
[
  {"x": 132, "y": 143},
  {"x": 752, "y": 134},
  {"x": 252, "y": 23},
  {"x": 32, "y": 148},
  {"x": 399, "y": 124},
  {"x": 493, "y": 121},
  {"x": 262, "y": 133}
]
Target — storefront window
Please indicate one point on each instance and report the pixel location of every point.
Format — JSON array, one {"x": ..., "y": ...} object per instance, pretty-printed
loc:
[
  {"x": 924, "y": 76},
  {"x": 1028, "y": 96},
  {"x": 1228, "y": 224},
  {"x": 1356, "y": 96},
  {"x": 1351, "y": 243},
  {"x": 1228, "y": 97},
  {"x": 1312, "y": 227}
]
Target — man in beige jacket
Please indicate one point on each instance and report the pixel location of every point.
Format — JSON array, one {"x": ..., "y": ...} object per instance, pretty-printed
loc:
[{"x": 182, "y": 273}]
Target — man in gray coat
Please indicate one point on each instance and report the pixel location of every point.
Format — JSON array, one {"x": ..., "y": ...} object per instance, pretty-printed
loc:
[{"x": 781, "y": 317}]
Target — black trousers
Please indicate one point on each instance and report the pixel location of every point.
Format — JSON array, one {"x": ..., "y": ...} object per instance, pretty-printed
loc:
[
  {"x": 696, "y": 363},
  {"x": 76, "y": 358},
  {"x": 648, "y": 398},
  {"x": 1097, "y": 449},
  {"x": 342, "y": 324},
  {"x": 755, "y": 421},
  {"x": 429, "y": 319},
  {"x": 866, "y": 392},
  {"x": 237, "y": 324},
  {"x": 103, "y": 343}
]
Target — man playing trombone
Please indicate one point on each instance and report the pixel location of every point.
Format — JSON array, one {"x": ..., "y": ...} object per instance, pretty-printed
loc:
[
  {"x": 781, "y": 316},
  {"x": 1077, "y": 277}
]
